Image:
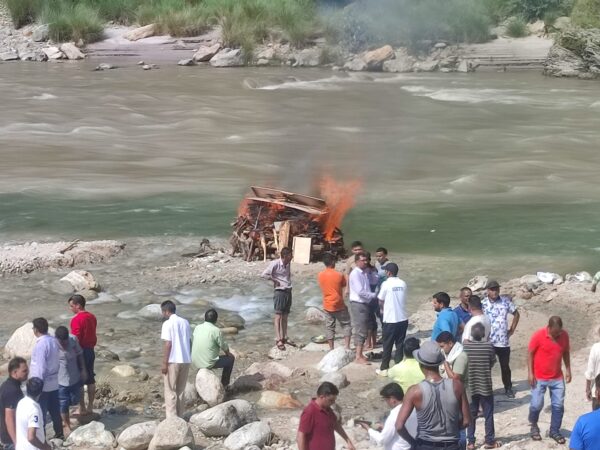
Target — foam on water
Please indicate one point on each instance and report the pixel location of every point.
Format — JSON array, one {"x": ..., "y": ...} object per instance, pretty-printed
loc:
[
  {"x": 44, "y": 96},
  {"x": 466, "y": 95}
]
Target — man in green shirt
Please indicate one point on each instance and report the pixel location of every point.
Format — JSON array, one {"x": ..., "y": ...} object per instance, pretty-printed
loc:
[
  {"x": 407, "y": 372},
  {"x": 207, "y": 345}
]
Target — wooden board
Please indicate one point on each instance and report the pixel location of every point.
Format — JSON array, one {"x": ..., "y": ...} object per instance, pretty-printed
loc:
[{"x": 301, "y": 249}]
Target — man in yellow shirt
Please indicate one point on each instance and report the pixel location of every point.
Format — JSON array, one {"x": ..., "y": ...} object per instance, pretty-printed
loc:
[
  {"x": 207, "y": 345},
  {"x": 407, "y": 372}
]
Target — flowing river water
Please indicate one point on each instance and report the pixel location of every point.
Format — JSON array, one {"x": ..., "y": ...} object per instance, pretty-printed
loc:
[{"x": 462, "y": 174}]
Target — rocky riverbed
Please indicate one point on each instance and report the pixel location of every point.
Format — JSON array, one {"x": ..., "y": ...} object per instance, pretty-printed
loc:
[{"x": 270, "y": 387}]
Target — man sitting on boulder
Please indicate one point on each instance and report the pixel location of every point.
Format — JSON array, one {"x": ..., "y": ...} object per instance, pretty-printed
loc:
[{"x": 207, "y": 345}]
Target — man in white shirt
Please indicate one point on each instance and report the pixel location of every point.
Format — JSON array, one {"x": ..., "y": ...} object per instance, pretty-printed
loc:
[
  {"x": 591, "y": 372},
  {"x": 360, "y": 298},
  {"x": 387, "y": 436},
  {"x": 28, "y": 419},
  {"x": 477, "y": 316},
  {"x": 177, "y": 336},
  {"x": 392, "y": 299}
]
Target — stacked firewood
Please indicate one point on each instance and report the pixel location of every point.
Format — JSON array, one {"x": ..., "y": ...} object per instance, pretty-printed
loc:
[{"x": 262, "y": 229}]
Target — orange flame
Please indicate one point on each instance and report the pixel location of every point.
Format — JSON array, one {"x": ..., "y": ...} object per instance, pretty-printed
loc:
[{"x": 340, "y": 199}]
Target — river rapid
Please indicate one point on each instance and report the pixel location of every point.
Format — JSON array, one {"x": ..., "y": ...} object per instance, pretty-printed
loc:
[{"x": 462, "y": 174}]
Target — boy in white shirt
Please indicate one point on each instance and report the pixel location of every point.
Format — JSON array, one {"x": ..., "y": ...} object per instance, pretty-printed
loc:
[{"x": 29, "y": 420}]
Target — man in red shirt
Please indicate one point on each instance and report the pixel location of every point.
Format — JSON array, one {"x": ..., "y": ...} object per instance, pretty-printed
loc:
[
  {"x": 548, "y": 347},
  {"x": 83, "y": 327},
  {"x": 318, "y": 422},
  {"x": 332, "y": 285}
]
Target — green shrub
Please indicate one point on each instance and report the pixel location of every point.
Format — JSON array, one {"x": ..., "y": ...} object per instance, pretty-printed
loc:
[
  {"x": 535, "y": 9},
  {"x": 190, "y": 21},
  {"x": 586, "y": 13},
  {"x": 516, "y": 27},
  {"x": 23, "y": 12},
  {"x": 72, "y": 22}
]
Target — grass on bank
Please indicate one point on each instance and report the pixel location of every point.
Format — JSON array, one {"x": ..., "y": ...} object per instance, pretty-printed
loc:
[
  {"x": 586, "y": 13},
  {"x": 516, "y": 27}
]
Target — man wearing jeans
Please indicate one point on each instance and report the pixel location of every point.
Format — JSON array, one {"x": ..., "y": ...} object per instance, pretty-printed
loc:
[
  {"x": 548, "y": 347},
  {"x": 497, "y": 307}
]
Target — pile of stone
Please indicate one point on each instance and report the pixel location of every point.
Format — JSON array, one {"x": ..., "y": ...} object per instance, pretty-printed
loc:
[{"x": 576, "y": 53}]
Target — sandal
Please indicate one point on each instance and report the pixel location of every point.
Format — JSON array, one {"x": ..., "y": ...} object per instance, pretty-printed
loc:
[
  {"x": 280, "y": 345},
  {"x": 495, "y": 444},
  {"x": 535, "y": 433},
  {"x": 559, "y": 438},
  {"x": 288, "y": 341}
]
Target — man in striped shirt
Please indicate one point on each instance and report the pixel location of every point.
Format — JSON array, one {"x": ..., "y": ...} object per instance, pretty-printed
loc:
[{"x": 479, "y": 386}]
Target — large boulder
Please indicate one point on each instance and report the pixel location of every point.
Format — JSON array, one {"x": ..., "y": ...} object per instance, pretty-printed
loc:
[
  {"x": 209, "y": 387},
  {"x": 400, "y": 64},
  {"x": 430, "y": 65},
  {"x": 151, "y": 312},
  {"x": 223, "y": 419},
  {"x": 356, "y": 64},
  {"x": 228, "y": 58},
  {"x": 255, "y": 433},
  {"x": 91, "y": 436},
  {"x": 140, "y": 33},
  {"x": 172, "y": 434},
  {"x": 375, "y": 58},
  {"x": 335, "y": 359},
  {"x": 278, "y": 400},
  {"x": 21, "y": 342},
  {"x": 137, "y": 436},
  {"x": 53, "y": 53},
  {"x": 206, "y": 52},
  {"x": 339, "y": 379},
  {"x": 308, "y": 57},
  {"x": 563, "y": 63},
  {"x": 81, "y": 280},
  {"x": 71, "y": 52}
]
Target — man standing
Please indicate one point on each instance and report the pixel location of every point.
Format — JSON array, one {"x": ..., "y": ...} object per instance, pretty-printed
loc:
[
  {"x": 207, "y": 345},
  {"x": 586, "y": 432},
  {"x": 381, "y": 258},
  {"x": 462, "y": 310},
  {"x": 387, "y": 436},
  {"x": 392, "y": 300},
  {"x": 356, "y": 247},
  {"x": 83, "y": 327},
  {"x": 44, "y": 365},
  {"x": 29, "y": 423},
  {"x": 548, "y": 348},
  {"x": 456, "y": 361},
  {"x": 497, "y": 308},
  {"x": 591, "y": 373},
  {"x": 477, "y": 316},
  {"x": 447, "y": 320},
  {"x": 407, "y": 372},
  {"x": 10, "y": 395},
  {"x": 71, "y": 372},
  {"x": 360, "y": 299},
  {"x": 332, "y": 285},
  {"x": 176, "y": 335},
  {"x": 481, "y": 359},
  {"x": 318, "y": 422},
  {"x": 439, "y": 403},
  {"x": 279, "y": 273}
]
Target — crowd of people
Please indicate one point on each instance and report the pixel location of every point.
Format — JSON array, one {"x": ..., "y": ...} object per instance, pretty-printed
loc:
[{"x": 436, "y": 391}]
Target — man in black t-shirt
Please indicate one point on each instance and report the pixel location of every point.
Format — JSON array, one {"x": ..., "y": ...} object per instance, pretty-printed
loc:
[{"x": 10, "y": 394}]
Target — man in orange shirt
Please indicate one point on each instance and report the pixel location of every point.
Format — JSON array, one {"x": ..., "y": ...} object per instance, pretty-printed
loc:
[{"x": 332, "y": 284}]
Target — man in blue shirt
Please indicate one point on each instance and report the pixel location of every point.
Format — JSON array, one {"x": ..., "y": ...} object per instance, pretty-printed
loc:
[
  {"x": 586, "y": 432},
  {"x": 447, "y": 319}
]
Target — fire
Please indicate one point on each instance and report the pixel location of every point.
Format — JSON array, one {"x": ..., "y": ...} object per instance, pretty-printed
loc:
[{"x": 340, "y": 199}]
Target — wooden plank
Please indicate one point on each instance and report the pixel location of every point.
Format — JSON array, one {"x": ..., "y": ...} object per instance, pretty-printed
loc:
[{"x": 301, "y": 249}]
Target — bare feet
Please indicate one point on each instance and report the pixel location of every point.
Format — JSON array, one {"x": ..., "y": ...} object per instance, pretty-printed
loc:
[{"x": 363, "y": 361}]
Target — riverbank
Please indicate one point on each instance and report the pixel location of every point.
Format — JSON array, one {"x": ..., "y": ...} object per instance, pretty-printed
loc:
[{"x": 129, "y": 382}]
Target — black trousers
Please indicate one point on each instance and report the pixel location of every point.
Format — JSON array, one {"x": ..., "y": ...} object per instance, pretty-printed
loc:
[
  {"x": 503, "y": 354},
  {"x": 393, "y": 335}
]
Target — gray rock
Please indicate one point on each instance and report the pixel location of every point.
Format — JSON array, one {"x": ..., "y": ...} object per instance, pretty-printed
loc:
[
  {"x": 440, "y": 45},
  {"x": 172, "y": 434},
  {"x": 190, "y": 395},
  {"x": 140, "y": 33},
  {"x": 146, "y": 67},
  {"x": 33, "y": 55},
  {"x": 209, "y": 387},
  {"x": 81, "y": 279},
  {"x": 314, "y": 315},
  {"x": 91, "y": 436},
  {"x": 356, "y": 64},
  {"x": 71, "y": 51},
  {"x": 337, "y": 378},
  {"x": 375, "y": 58},
  {"x": 151, "y": 312},
  {"x": 9, "y": 56},
  {"x": 228, "y": 58},
  {"x": 138, "y": 436},
  {"x": 123, "y": 370},
  {"x": 463, "y": 66},
  {"x": 309, "y": 57},
  {"x": 224, "y": 419},
  {"x": 277, "y": 354},
  {"x": 205, "y": 53},
  {"x": 400, "y": 64},
  {"x": 105, "y": 66},
  {"x": 335, "y": 359},
  {"x": 53, "y": 53},
  {"x": 186, "y": 62},
  {"x": 255, "y": 433},
  {"x": 40, "y": 33},
  {"x": 21, "y": 342},
  {"x": 563, "y": 63},
  {"x": 477, "y": 283},
  {"x": 426, "y": 66},
  {"x": 579, "y": 277}
]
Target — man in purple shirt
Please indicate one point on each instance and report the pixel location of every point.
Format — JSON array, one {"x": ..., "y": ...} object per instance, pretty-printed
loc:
[
  {"x": 361, "y": 296},
  {"x": 45, "y": 365}
]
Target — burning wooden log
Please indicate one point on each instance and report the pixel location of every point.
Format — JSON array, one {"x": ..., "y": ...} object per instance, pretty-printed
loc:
[{"x": 269, "y": 219}]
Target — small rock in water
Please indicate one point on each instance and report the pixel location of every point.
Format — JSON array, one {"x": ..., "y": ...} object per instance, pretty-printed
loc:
[
  {"x": 141, "y": 63},
  {"x": 146, "y": 67},
  {"x": 105, "y": 66},
  {"x": 186, "y": 62}
]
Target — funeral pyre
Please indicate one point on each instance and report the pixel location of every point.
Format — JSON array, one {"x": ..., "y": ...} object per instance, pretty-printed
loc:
[{"x": 269, "y": 220}]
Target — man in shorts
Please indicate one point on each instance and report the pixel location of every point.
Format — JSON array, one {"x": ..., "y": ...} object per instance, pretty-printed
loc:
[
  {"x": 332, "y": 284},
  {"x": 71, "y": 373},
  {"x": 83, "y": 327},
  {"x": 280, "y": 274}
]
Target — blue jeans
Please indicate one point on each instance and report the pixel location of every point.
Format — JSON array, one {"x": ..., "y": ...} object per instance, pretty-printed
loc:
[{"x": 557, "y": 400}]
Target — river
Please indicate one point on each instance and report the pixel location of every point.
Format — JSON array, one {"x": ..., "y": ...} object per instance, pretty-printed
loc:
[{"x": 462, "y": 173}]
